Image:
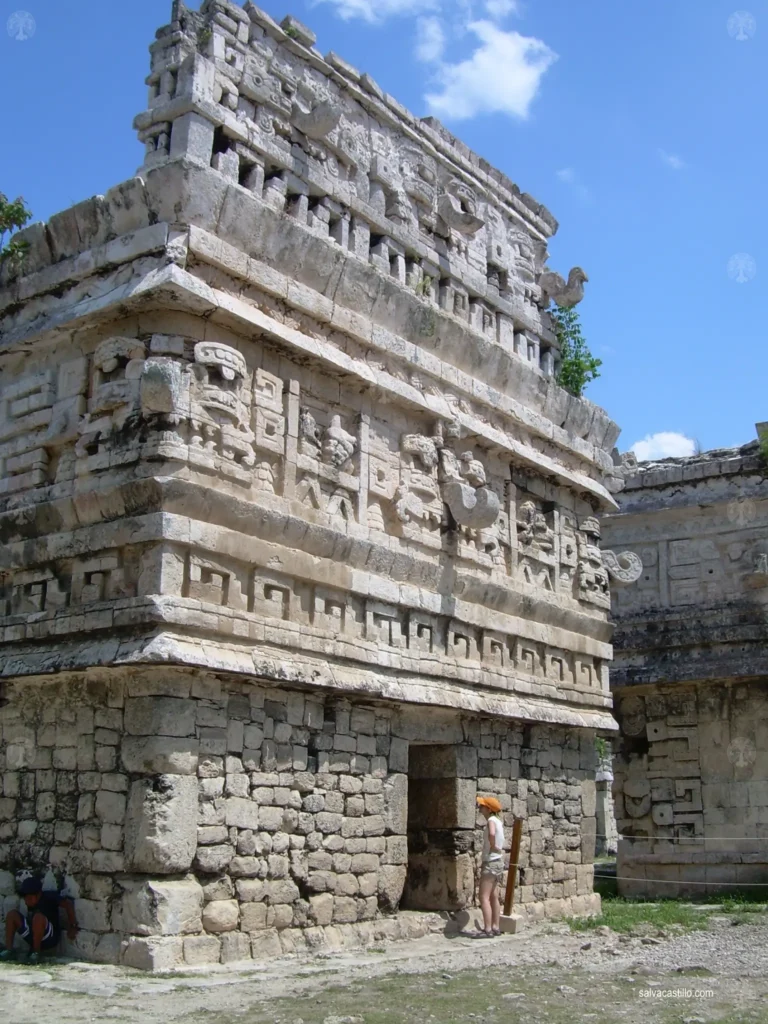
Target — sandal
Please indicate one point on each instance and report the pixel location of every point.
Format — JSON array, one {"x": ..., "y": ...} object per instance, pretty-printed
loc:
[
  {"x": 495, "y": 931},
  {"x": 479, "y": 934}
]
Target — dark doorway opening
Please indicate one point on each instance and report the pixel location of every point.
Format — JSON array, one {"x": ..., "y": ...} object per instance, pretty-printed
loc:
[{"x": 441, "y": 827}]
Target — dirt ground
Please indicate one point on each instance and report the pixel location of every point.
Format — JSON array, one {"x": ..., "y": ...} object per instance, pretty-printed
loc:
[{"x": 546, "y": 973}]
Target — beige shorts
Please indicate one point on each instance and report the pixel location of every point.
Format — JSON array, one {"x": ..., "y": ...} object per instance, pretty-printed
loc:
[{"x": 493, "y": 869}]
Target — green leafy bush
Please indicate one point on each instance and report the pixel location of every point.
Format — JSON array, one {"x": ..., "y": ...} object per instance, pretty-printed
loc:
[
  {"x": 13, "y": 215},
  {"x": 577, "y": 366}
]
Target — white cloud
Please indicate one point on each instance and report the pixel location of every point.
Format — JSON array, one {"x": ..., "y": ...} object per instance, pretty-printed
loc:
[
  {"x": 501, "y": 76},
  {"x": 664, "y": 445},
  {"x": 375, "y": 11},
  {"x": 430, "y": 40},
  {"x": 501, "y": 8},
  {"x": 671, "y": 160},
  {"x": 569, "y": 177}
]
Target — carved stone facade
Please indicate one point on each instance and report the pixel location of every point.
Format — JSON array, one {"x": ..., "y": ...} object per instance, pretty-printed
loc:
[
  {"x": 690, "y": 675},
  {"x": 294, "y": 496}
]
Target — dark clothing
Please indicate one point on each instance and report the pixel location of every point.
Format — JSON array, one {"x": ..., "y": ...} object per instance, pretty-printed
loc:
[{"x": 48, "y": 905}]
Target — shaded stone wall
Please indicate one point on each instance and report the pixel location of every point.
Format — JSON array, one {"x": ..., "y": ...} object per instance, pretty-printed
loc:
[
  {"x": 692, "y": 787},
  {"x": 689, "y": 679},
  {"x": 197, "y": 818}
]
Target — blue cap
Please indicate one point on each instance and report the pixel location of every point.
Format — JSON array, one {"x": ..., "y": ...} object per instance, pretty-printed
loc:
[{"x": 31, "y": 887}]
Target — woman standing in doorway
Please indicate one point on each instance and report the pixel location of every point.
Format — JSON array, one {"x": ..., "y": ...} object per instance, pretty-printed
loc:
[{"x": 492, "y": 866}]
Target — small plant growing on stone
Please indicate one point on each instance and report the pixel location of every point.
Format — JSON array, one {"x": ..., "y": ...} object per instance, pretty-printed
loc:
[
  {"x": 762, "y": 442},
  {"x": 577, "y": 366},
  {"x": 13, "y": 215},
  {"x": 204, "y": 36},
  {"x": 601, "y": 748},
  {"x": 291, "y": 32},
  {"x": 424, "y": 287}
]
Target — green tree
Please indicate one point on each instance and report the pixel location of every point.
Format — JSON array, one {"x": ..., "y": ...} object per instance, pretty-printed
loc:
[
  {"x": 13, "y": 215},
  {"x": 577, "y": 364}
]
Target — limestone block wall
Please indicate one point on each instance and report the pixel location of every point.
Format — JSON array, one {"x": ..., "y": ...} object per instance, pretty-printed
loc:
[
  {"x": 196, "y": 818},
  {"x": 689, "y": 677},
  {"x": 692, "y": 788}
]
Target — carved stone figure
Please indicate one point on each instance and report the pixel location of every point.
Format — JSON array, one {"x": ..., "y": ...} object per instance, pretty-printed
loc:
[
  {"x": 423, "y": 447},
  {"x": 318, "y": 122},
  {"x": 309, "y": 431},
  {"x": 533, "y": 530},
  {"x": 458, "y": 208},
  {"x": 624, "y": 568},
  {"x": 563, "y": 293},
  {"x": 338, "y": 445},
  {"x": 463, "y": 488},
  {"x": 593, "y": 577}
]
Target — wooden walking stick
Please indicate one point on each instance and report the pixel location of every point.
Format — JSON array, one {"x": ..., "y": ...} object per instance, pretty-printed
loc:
[{"x": 508, "y": 920}]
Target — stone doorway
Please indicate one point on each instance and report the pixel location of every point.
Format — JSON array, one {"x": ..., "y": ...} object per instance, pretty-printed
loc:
[{"x": 441, "y": 827}]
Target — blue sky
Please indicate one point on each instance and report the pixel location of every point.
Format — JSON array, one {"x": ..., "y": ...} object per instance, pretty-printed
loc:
[{"x": 639, "y": 124}]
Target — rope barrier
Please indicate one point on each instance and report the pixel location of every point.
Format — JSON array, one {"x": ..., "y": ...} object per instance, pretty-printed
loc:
[
  {"x": 688, "y": 839},
  {"x": 680, "y": 881}
]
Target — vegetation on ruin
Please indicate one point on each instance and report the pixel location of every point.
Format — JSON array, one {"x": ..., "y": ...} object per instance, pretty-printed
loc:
[
  {"x": 13, "y": 216},
  {"x": 763, "y": 447},
  {"x": 602, "y": 748},
  {"x": 578, "y": 367},
  {"x": 630, "y": 916}
]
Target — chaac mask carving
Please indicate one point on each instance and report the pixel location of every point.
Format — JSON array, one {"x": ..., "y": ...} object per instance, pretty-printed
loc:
[{"x": 437, "y": 475}]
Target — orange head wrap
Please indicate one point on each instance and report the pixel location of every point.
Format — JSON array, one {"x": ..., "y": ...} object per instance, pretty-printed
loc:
[{"x": 490, "y": 802}]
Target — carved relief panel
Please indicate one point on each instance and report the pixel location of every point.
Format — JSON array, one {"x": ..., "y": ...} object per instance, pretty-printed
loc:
[
  {"x": 328, "y": 477},
  {"x": 537, "y": 556},
  {"x": 39, "y": 415}
]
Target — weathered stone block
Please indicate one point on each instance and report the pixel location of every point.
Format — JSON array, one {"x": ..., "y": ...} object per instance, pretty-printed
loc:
[
  {"x": 93, "y": 915},
  {"x": 221, "y": 916},
  {"x": 391, "y": 883},
  {"x": 159, "y": 716},
  {"x": 161, "y": 824},
  {"x": 152, "y": 954},
  {"x": 160, "y": 907},
  {"x": 243, "y": 813},
  {"x": 202, "y": 949},
  {"x": 235, "y": 947},
  {"x": 159, "y": 755},
  {"x": 266, "y": 945}
]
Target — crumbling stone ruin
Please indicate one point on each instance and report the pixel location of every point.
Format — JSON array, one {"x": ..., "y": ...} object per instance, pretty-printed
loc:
[
  {"x": 299, "y": 534},
  {"x": 689, "y": 679}
]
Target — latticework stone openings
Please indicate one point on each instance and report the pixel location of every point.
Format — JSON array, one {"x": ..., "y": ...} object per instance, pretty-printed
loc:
[
  {"x": 691, "y": 775},
  {"x": 288, "y": 487}
]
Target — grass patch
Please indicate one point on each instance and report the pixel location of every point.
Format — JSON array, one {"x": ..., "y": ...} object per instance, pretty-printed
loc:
[
  {"x": 742, "y": 903},
  {"x": 622, "y": 915}
]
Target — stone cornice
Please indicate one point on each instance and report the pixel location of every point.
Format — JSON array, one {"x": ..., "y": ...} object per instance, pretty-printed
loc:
[{"x": 297, "y": 669}]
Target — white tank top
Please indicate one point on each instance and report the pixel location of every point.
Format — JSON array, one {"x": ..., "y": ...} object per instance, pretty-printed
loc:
[{"x": 487, "y": 855}]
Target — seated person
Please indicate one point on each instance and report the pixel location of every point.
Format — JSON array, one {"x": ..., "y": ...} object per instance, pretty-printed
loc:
[{"x": 41, "y": 927}]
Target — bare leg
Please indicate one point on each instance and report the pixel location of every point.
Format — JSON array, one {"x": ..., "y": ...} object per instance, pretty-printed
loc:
[
  {"x": 13, "y": 923},
  {"x": 487, "y": 883},
  {"x": 495, "y": 905},
  {"x": 39, "y": 925}
]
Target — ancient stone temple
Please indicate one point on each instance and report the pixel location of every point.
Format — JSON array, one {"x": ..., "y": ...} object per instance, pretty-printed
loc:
[
  {"x": 690, "y": 679},
  {"x": 299, "y": 536}
]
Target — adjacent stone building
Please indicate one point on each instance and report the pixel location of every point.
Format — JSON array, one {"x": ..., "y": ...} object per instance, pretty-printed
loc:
[
  {"x": 299, "y": 537},
  {"x": 690, "y": 679}
]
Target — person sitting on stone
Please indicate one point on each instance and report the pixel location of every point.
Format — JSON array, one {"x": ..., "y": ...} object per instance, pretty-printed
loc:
[{"x": 40, "y": 928}]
